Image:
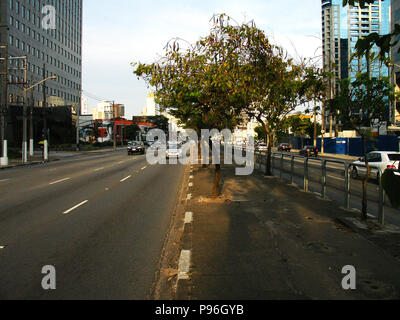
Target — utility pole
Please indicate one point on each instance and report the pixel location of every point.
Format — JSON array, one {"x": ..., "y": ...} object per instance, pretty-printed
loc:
[
  {"x": 31, "y": 151},
  {"x": 24, "y": 117},
  {"x": 115, "y": 127},
  {"x": 4, "y": 108},
  {"x": 45, "y": 146},
  {"x": 315, "y": 125},
  {"x": 78, "y": 114}
]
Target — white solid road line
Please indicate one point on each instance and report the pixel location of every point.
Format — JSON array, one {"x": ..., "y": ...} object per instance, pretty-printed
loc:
[
  {"x": 76, "y": 207},
  {"x": 124, "y": 179},
  {"x": 58, "y": 181}
]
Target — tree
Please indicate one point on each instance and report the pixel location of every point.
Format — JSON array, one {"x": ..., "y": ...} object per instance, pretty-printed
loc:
[
  {"x": 301, "y": 126},
  {"x": 261, "y": 133},
  {"x": 204, "y": 86},
  {"x": 278, "y": 87},
  {"x": 357, "y": 104},
  {"x": 131, "y": 132}
]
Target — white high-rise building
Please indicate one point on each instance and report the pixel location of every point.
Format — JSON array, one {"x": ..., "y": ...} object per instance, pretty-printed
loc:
[
  {"x": 151, "y": 108},
  {"x": 84, "y": 107}
]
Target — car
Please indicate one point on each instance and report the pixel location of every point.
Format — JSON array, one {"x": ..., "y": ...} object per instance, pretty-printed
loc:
[
  {"x": 136, "y": 147},
  {"x": 262, "y": 147},
  {"x": 309, "y": 151},
  {"x": 383, "y": 160},
  {"x": 285, "y": 147},
  {"x": 174, "y": 150}
]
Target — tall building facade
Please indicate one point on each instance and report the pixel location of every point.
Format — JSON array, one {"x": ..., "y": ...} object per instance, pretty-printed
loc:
[
  {"x": 50, "y": 52},
  {"x": 396, "y": 58},
  {"x": 342, "y": 27}
]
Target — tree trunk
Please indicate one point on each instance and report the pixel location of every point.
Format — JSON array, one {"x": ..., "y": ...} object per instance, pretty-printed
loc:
[
  {"x": 364, "y": 211},
  {"x": 217, "y": 178},
  {"x": 268, "y": 171}
]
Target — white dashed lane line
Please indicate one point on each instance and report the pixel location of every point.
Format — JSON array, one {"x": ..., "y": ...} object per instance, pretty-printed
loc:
[
  {"x": 98, "y": 169},
  {"x": 4, "y": 180},
  {"x": 144, "y": 168},
  {"x": 76, "y": 207},
  {"x": 59, "y": 181},
  {"x": 124, "y": 179}
]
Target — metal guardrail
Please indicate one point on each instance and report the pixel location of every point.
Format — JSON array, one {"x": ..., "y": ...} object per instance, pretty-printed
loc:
[{"x": 259, "y": 157}]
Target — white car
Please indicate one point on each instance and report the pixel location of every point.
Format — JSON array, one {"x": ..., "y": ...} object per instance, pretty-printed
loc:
[
  {"x": 174, "y": 150},
  {"x": 262, "y": 147},
  {"x": 383, "y": 160}
]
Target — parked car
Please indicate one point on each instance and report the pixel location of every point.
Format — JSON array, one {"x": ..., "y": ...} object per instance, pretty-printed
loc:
[
  {"x": 262, "y": 147},
  {"x": 174, "y": 150},
  {"x": 309, "y": 151},
  {"x": 285, "y": 147},
  {"x": 383, "y": 160},
  {"x": 136, "y": 147}
]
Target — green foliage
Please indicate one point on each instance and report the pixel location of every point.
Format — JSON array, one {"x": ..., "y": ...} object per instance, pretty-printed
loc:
[
  {"x": 131, "y": 132},
  {"x": 261, "y": 132},
  {"x": 391, "y": 184},
  {"x": 361, "y": 101}
]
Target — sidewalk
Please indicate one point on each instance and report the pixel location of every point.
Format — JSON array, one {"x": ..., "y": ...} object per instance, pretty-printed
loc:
[
  {"x": 54, "y": 156},
  {"x": 264, "y": 239}
]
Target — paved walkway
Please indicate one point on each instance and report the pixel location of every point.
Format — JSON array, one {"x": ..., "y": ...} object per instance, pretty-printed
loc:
[{"x": 264, "y": 239}]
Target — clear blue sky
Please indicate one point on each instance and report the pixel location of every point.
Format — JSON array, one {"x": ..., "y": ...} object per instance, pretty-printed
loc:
[{"x": 116, "y": 33}]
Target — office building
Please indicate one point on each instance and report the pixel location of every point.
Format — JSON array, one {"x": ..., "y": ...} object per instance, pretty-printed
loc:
[
  {"x": 342, "y": 27},
  {"x": 396, "y": 59},
  {"x": 50, "y": 52}
]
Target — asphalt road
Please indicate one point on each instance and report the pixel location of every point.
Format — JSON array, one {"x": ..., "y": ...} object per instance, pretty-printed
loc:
[
  {"x": 100, "y": 220},
  {"x": 336, "y": 186}
]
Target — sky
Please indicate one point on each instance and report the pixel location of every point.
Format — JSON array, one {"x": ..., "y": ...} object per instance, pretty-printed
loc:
[{"x": 117, "y": 33}]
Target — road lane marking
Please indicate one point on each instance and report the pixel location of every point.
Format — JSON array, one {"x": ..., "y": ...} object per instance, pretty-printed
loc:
[
  {"x": 144, "y": 168},
  {"x": 124, "y": 179},
  {"x": 58, "y": 181},
  {"x": 76, "y": 207},
  {"x": 189, "y": 196},
  {"x": 184, "y": 265},
  {"x": 190, "y": 184},
  {"x": 98, "y": 169},
  {"x": 191, "y": 177},
  {"x": 4, "y": 180},
  {"x": 188, "y": 217},
  {"x": 120, "y": 162}
]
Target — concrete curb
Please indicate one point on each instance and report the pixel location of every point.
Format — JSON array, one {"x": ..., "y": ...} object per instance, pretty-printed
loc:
[
  {"x": 34, "y": 163},
  {"x": 184, "y": 283}
]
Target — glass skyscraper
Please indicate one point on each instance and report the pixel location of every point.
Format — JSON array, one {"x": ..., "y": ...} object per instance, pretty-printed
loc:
[{"x": 341, "y": 29}]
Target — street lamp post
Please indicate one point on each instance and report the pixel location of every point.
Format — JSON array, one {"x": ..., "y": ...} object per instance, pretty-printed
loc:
[
  {"x": 24, "y": 138},
  {"x": 4, "y": 107}
]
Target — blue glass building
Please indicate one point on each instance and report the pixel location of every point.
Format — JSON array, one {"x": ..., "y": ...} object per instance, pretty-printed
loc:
[{"x": 341, "y": 29}]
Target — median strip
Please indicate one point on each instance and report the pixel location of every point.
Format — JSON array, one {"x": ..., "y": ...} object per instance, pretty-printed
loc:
[
  {"x": 76, "y": 207},
  {"x": 124, "y": 179},
  {"x": 59, "y": 181}
]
